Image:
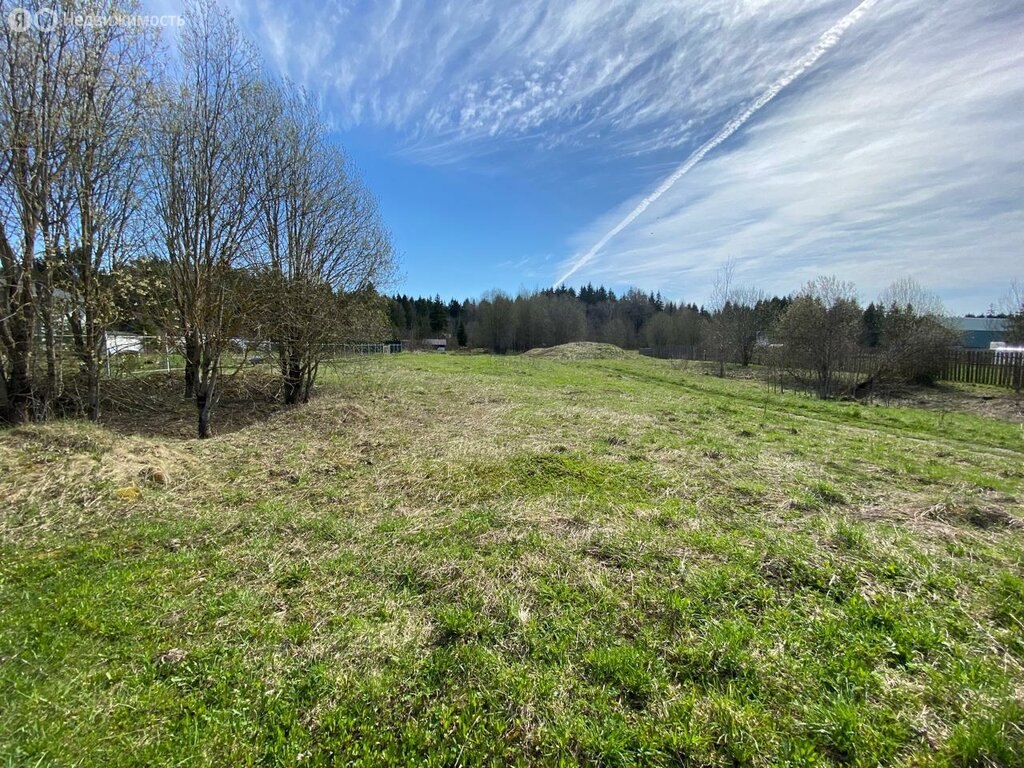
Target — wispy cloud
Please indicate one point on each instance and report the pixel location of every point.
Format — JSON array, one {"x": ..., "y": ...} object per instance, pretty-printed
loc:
[{"x": 456, "y": 77}]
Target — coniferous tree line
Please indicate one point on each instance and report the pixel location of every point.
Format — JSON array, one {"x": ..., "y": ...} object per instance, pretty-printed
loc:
[{"x": 187, "y": 195}]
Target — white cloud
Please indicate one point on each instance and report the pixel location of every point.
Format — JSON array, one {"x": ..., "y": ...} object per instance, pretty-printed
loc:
[{"x": 826, "y": 42}]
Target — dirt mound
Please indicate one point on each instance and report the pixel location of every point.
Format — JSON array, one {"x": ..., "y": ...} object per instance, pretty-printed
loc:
[{"x": 581, "y": 350}]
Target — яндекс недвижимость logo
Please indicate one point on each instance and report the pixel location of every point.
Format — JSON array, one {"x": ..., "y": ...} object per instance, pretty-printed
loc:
[{"x": 47, "y": 19}]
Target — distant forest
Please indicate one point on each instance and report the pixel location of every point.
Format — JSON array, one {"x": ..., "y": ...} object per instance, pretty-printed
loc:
[{"x": 502, "y": 323}]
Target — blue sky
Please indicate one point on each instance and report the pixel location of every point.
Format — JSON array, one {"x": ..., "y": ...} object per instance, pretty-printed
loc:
[{"x": 504, "y": 139}]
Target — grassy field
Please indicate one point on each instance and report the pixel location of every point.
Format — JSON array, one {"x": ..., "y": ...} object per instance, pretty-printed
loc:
[{"x": 465, "y": 560}]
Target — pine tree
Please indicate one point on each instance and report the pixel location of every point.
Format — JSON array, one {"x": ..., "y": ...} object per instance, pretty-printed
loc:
[
  {"x": 874, "y": 325},
  {"x": 438, "y": 314}
]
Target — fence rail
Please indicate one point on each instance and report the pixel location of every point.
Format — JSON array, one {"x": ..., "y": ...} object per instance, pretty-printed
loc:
[{"x": 386, "y": 348}]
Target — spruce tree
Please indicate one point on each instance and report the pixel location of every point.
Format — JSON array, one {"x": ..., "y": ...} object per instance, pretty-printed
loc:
[{"x": 874, "y": 323}]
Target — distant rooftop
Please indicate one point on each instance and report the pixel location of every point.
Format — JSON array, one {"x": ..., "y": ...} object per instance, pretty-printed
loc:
[{"x": 997, "y": 324}]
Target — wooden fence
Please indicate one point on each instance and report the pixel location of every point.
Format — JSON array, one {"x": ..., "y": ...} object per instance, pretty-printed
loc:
[{"x": 995, "y": 367}]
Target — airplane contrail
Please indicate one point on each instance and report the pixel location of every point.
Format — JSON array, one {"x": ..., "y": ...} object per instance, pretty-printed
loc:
[{"x": 824, "y": 44}]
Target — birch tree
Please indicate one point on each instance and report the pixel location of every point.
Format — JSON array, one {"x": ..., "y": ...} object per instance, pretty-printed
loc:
[{"x": 206, "y": 144}]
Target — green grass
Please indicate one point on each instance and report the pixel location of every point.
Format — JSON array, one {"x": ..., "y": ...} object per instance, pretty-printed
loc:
[{"x": 466, "y": 560}]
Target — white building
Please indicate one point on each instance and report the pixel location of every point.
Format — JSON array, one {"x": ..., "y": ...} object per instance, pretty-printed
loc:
[{"x": 119, "y": 343}]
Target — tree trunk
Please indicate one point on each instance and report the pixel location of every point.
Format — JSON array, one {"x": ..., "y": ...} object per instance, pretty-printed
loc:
[
  {"x": 308, "y": 381},
  {"x": 19, "y": 380},
  {"x": 824, "y": 383},
  {"x": 190, "y": 379},
  {"x": 746, "y": 355},
  {"x": 92, "y": 367},
  {"x": 203, "y": 404},
  {"x": 52, "y": 338},
  {"x": 52, "y": 389},
  {"x": 293, "y": 381},
  {"x": 87, "y": 336},
  {"x": 206, "y": 391},
  {"x": 19, "y": 391},
  {"x": 191, "y": 365},
  {"x": 92, "y": 373}
]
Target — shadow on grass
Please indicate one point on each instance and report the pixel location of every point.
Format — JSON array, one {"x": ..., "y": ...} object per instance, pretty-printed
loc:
[{"x": 153, "y": 405}]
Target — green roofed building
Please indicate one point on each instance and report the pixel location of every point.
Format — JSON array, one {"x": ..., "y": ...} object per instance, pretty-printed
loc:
[{"x": 979, "y": 332}]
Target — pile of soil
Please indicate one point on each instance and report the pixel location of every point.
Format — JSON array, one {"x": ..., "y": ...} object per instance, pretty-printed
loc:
[{"x": 581, "y": 350}]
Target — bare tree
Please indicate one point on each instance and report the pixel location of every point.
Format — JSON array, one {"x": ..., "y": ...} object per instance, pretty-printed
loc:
[
  {"x": 495, "y": 328},
  {"x": 745, "y": 322},
  {"x": 718, "y": 335},
  {"x": 323, "y": 245},
  {"x": 819, "y": 333},
  {"x": 736, "y": 322},
  {"x": 566, "y": 320},
  {"x": 915, "y": 338},
  {"x": 206, "y": 141}
]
